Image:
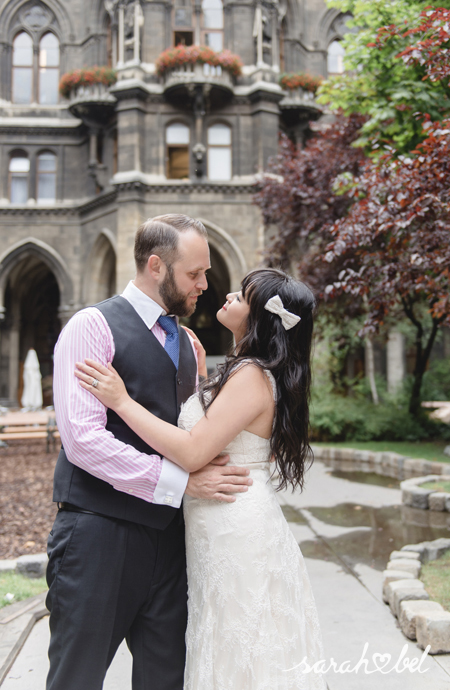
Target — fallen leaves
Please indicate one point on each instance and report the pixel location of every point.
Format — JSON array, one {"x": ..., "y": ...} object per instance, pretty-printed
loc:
[{"x": 26, "y": 508}]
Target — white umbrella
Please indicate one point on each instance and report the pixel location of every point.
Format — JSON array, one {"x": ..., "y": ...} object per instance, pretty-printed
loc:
[{"x": 32, "y": 389}]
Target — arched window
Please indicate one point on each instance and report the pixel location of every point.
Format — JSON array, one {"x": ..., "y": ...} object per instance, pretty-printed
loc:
[
  {"x": 19, "y": 170},
  {"x": 48, "y": 69},
  {"x": 22, "y": 71},
  {"x": 219, "y": 152},
  {"x": 46, "y": 177},
  {"x": 335, "y": 58},
  {"x": 177, "y": 142},
  {"x": 183, "y": 23},
  {"x": 213, "y": 24}
]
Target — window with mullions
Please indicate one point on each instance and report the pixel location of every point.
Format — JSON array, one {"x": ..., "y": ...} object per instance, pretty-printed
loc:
[
  {"x": 219, "y": 152},
  {"x": 177, "y": 142},
  {"x": 22, "y": 70},
  {"x": 19, "y": 171},
  {"x": 46, "y": 177},
  {"x": 213, "y": 24},
  {"x": 48, "y": 69},
  {"x": 35, "y": 74}
]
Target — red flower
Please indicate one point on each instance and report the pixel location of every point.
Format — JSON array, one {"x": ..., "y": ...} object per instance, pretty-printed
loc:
[
  {"x": 86, "y": 76},
  {"x": 300, "y": 80},
  {"x": 191, "y": 55}
]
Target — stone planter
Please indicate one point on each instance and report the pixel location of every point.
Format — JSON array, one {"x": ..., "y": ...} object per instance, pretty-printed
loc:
[
  {"x": 386, "y": 464},
  {"x": 414, "y": 495},
  {"x": 408, "y": 599}
]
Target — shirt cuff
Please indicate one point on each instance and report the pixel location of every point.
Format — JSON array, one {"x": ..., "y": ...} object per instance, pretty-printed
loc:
[{"x": 171, "y": 485}]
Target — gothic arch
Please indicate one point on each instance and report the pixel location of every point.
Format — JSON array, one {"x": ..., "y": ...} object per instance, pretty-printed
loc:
[
  {"x": 100, "y": 275},
  {"x": 325, "y": 31},
  {"x": 9, "y": 10},
  {"x": 229, "y": 251},
  {"x": 99, "y": 13},
  {"x": 31, "y": 246}
]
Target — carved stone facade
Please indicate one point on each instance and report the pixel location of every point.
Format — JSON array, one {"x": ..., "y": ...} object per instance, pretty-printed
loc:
[{"x": 78, "y": 175}]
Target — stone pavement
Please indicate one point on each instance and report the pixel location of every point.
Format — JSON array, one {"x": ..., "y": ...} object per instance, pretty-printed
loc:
[{"x": 340, "y": 561}]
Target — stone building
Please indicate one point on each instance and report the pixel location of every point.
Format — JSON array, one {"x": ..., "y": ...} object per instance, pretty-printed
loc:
[{"x": 79, "y": 174}]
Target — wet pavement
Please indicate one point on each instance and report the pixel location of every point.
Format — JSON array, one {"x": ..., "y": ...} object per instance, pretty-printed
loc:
[{"x": 346, "y": 524}]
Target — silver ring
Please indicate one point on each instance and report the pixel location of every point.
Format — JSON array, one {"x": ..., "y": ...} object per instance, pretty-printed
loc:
[{"x": 94, "y": 383}]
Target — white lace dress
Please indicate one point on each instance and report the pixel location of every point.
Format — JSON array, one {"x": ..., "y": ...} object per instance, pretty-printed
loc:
[{"x": 252, "y": 615}]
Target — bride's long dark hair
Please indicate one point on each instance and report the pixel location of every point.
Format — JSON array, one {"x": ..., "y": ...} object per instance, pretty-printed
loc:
[{"x": 287, "y": 354}]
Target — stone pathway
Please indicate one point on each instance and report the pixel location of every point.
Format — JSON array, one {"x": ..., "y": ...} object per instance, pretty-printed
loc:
[{"x": 340, "y": 558}]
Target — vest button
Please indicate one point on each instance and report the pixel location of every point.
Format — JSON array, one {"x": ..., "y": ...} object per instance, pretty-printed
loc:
[{"x": 179, "y": 381}]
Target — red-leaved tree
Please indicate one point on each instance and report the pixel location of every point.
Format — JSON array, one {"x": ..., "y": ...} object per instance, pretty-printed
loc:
[
  {"x": 304, "y": 193},
  {"x": 393, "y": 247}
]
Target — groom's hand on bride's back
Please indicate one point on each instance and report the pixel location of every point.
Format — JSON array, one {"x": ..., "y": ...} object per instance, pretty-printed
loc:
[{"x": 218, "y": 481}]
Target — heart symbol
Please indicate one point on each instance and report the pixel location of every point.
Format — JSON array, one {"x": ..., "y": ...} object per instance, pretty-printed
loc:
[{"x": 382, "y": 659}]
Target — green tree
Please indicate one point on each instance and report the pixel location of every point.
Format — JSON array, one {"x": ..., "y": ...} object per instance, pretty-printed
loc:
[{"x": 392, "y": 93}]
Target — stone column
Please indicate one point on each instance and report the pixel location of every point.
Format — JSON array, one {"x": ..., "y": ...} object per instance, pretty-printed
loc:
[
  {"x": 14, "y": 342},
  {"x": 138, "y": 23},
  {"x": 395, "y": 355},
  {"x": 257, "y": 33},
  {"x": 130, "y": 215},
  {"x": 275, "y": 44},
  {"x": 121, "y": 46},
  {"x": 114, "y": 38},
  {"x": 66, "y": 311},
  {"x": 198, "y": 18}
]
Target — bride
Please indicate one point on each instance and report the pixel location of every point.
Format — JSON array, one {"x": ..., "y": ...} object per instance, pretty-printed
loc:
[{"x": 252, "y": 616}]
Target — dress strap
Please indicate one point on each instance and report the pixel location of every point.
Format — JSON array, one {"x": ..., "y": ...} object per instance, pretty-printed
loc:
[{"x": 273, "y": 383}]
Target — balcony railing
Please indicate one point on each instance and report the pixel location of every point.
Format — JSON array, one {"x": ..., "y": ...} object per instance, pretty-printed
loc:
[
  {"x": 184, "y": 75},
  {"x": 299, "y": 98}
]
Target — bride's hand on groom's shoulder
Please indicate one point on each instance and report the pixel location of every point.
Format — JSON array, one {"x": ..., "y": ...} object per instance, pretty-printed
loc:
[
  {"x": 103, "y": 382},
  {"x": 218, "y": 481},
  {"x": 201, "y": 353}
]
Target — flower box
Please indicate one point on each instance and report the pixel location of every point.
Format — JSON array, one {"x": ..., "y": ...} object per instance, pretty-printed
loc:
[
  {"x": 86, "y": 77},
  {"x": 300, "y": 82},
  {"x": 180, "y": 57}
]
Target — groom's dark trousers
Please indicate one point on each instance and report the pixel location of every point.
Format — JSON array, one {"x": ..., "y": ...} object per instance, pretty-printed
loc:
[{"x": 117, "y": 563}]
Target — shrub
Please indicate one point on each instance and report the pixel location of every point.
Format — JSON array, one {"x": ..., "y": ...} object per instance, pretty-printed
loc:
[
  {"x": 436, "y": 381},
  {"x": 191, "y": 55},
  {"x": 86, "y": 76},
  {"x": 338, "y": 418}
]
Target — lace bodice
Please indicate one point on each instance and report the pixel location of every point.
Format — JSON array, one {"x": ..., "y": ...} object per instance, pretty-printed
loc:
[{"x": 247, "y": 448}]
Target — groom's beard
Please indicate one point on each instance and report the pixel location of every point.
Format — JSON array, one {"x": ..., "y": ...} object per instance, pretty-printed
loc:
[{"x": 176, "y": 302}]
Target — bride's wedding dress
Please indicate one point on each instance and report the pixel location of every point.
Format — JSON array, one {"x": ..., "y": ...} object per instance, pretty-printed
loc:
[{"x": 252, "y": 615}]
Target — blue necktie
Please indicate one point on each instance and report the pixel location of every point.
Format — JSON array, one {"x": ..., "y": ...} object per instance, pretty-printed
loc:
[{"x": 172, "y": 344}]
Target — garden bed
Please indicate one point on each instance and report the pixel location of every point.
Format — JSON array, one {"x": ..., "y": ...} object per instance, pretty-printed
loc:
[{"x": 26, "y": 508}]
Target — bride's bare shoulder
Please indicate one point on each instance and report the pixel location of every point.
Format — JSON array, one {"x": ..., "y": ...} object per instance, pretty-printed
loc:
[{"x": 250, "y": 373}]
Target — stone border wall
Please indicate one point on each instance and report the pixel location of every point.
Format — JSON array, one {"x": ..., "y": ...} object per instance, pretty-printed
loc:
[
  {"x": 416, "y": 496},
  {"x": 387, "y": 464},
  {"x": 419, "y": 619}
]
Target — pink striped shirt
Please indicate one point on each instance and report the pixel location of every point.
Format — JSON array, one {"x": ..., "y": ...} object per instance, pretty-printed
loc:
[{"x": 81, "y": 418}]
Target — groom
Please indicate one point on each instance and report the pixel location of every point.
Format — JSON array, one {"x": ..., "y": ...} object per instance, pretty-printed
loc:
[{"x": 116, "y": 551}]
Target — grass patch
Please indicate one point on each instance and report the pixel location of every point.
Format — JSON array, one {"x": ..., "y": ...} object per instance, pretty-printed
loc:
[
  {"x": 436, "y": 578},
  {"x": 426, "y": 450},
  {"x": 437, "y": 486},
  {"x": 22, "y": 587}
]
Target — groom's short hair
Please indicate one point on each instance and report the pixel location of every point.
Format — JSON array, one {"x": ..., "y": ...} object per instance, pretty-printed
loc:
[{"x": 160, "y": 236}]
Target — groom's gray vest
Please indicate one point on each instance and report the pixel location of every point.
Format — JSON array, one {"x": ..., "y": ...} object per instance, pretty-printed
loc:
[{"x": 152, "y": 380}]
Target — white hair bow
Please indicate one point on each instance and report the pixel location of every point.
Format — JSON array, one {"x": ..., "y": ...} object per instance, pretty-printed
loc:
[{"x": 288, "y": 319}]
